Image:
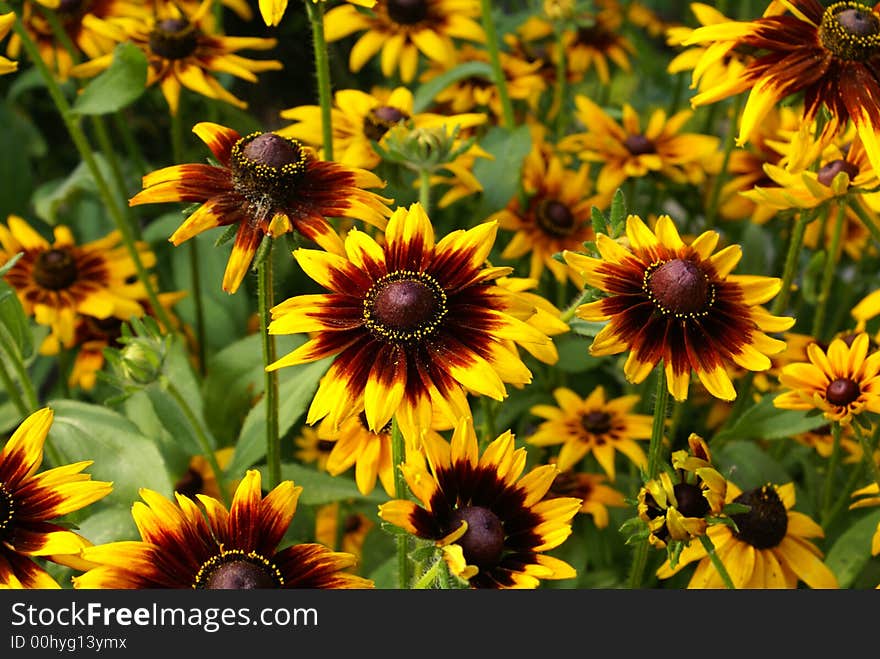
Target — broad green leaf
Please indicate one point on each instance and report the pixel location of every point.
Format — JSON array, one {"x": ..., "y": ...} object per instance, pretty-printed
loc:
[
  {"x": 16, "y": 169},
  {"x": 764, "y": 421},
  {"x": 6, "y": 267},
  {"x": 500, "y": 176},
  {"x": 574, "y": 354},
  {"x": 110, "y": 524},
  {"x": 852, "y": 550},
  {"x": 121, "y": 454},
  {"x": 617, "y": 214},
  {"x": 17, "y": 328},
  {"x": 748, "y": 465},
  {"x": 51, "y": 197},
  {"x": 320, "y": 487},
  {"x": 295, "y": 392},
  {"x": 118, "y": 86},
  {"x": 425, "y": 94}
]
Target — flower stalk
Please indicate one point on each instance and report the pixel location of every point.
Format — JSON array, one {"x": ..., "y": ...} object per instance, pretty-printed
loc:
[
  {"x": 398, "y": 456},
  {"x": 265, "y": 295},
  {"x": 709, "y": 546},
  {"x": 315, "y": 12},
  {"x": 508, "y": 120}
]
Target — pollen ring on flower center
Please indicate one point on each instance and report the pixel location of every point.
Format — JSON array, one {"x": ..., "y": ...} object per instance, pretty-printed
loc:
[
  {"x": 850, "y": 30},
  {"x": 237, "y": 569},
  {"x": 405, "y": 306}
]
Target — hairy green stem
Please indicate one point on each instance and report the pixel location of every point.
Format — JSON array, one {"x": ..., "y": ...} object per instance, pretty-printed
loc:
[
  {"x": 831, "y": 259},
  {"x": 709, "y": 546},
  {"x": 12, "y": 391},
  {"x": 431, "y": 575},
  {"x": 265, "y": 295},
  {"x": 721, "y": 178},
  {"x": 201, "y": 436},
  {"x": 828, "y": 491},
  {"x": 322, "y": 73},
  {"x": 508, "y": 120},
  {"x": 398, "y": 456},
  {"x": 867, "y": 221},
  {"x": 86, "y": 152}
]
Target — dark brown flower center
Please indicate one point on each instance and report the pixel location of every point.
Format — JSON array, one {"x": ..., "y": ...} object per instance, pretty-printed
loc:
[
  {"x": 237, "y": 570},
  {"x": 7, "y": 510},
  {"x": 483, "y": 542},
  {"x": 325, "y": 445},
  {"x": 596, "y": 423},
  {"x": 190, "y": 484},
  {"x": 71, "y": 11},
  {"x": 842, "y": 392},
  {"x": 679, "y": 288},
  {"x": 407, "y": 12},
  {"x": 690, "y": 500},
  {"x": 266, "y": 169},
  {"x": 382, "y": 119},
  {"x": 353, "y": 522},
  {"x": 639, "y": 145},
  {"x": 109, "y": 328},
  {"x": 850, "y": 30},
  {"x": 404, "y": 306},
  {"x": 55, "y": 269},
  {"x": 828, "y": 171},
  {"x": 766, "y": 523},
  {"x": 174, "y": 38},
  {"x": 555, "y": 218}
]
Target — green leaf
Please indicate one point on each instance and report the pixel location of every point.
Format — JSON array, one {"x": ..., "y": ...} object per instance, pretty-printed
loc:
[
  {"x": 121, "y": 454},
  {"x": 118, "y": 86},
  {"x": 617, "y": 214},
  {"x": 425, "y": 94},
  {"x": 748, "y": 465},
  {"x": 765, "y": 421},
  {"x": 852, "y": 550},
  {"x": 812, "y": 277},
  {"x": 600, "y": 223},
  {"x": 14, "y": 322},
  {"x": 295, "y": 391},
  {"x": 319, "y": 487},
  {"x": 6, "y": 267},
  {"x": 574, "y": 354},
  {"x": 500, "y": 176},
  {"x": 51, "y": 197}
]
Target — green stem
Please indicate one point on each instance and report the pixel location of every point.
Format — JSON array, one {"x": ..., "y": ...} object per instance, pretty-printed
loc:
[
  {"x": 716, "y": 561},
  {"x": 12, "y": 391},
  {"x": 845, "y": 493},
  {"x": 640, "y": 555},
  {"x": 27, "y": 387},
  {"x": 87, "y": 154},
  {"x": 322, "y": 72},
  {"x": 561, "y": 101},
  {"x": 831, "y": 259},
  {"x": 500, "y": 81},
  {"x": 265, "y": 296},
  {"x": 398, "y": 456},
  {"x": 832, "y": 472},
  {"x": 193, "y": 246},
  {"x": 718, "y": 182},
  {"x": 867, "y": 220},
  {"x": 204, "y": 442},
  {"x": 425, "y": 190},
  {"x": 792, "y": 256}
]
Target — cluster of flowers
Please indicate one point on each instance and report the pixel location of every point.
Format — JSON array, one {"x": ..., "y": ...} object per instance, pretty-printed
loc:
[{"x": 419, "y": 326}]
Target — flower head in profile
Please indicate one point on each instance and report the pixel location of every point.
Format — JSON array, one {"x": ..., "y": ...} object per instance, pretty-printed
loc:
[
  {"x": 677, "y": 512},
  {"x": 415, "y": 325},
  {"x": 770, "y": 547},
  {"x": 185, "y": 546},
  {"x": 865, "y": 497},
  {"x": 359, "y": 119},
  {"x": 32, "y": 502},
  {"x": 267, "y": 185},
  {"x": 842, "y": 382},
  {"x": 61, "y": 281},
  {"x": 6, "y": 23},
  {"x": 627, "y": 150},
  {"x": 678, "y": 303},
  {"x": 402, "y": 30},
  {"x": 594, "y": 426},
  {"x": 492, "y": 522},
  {"x": 827, "y": 54},
  {"x": 183, "y": 49}
]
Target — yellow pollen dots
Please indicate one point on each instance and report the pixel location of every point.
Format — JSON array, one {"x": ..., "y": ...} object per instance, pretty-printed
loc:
[
  {"x": 405, "y": 306},
  {"x": 268, "y": 157},
  {"x": 237, "y": 569},
  {"x": 678, "y": 288},
  {"x": 7, "y": 508},
  {"x": 850, "y": 30}
]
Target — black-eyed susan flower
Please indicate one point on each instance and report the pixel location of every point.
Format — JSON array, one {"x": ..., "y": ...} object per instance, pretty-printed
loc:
[
  {"x": 402, "y": 29},
  {"x": 842, "y": 382},
  {"x": 414, "y": 325},
  {"x": 311, "y": 448},
  {"x": 626, "y": 150},
  {"x": 593, "y": 425},
  {"x": 199, "y": 476},
  {"x": 678, "y": 512},
  {"x": 866, "y": 497},
  {"x": 359, "y": 119},
  {"x": 556, "y": 214},
  {"x": 355, "y": 445},
  {"x": 184, "y": 50},
  {"x": 492, "y": 522},
  {"x": 268, "y": 185},
  {"x": 31, "y": 504},
  {"x": 91, "y": 26},
  {"x": 57, "y": 281},
  {"x": 336, "y": 526},
  {"x": 678, "y": 303},
  {"x": 6, "y": 23},
  {"x": 771, "y": 546},
  {"x": 829, "y": 54},
  {"x": 185, "y": 546},
  {"x": 596, "y": 497}
]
